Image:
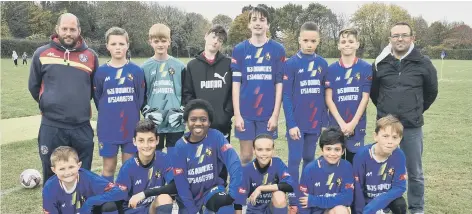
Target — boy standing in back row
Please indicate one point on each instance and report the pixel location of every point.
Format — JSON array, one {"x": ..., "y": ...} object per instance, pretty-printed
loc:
[
  {"x": 209, "y": 77},
  {"x": 118, "y": 95},
  {"x": 304, "y": 105},
  {"x": 257, "y": 66},
  {"x": 347, "y": 92},
  {"x": 163, "y": 88}
]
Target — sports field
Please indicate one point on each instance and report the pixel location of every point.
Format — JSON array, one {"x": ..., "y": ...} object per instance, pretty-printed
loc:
[{"x": 446, "y": 159}]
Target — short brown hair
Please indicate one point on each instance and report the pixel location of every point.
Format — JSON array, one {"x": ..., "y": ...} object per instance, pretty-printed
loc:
[
  {"x": 116, "y": 31},
  {"x": 220, "y": 32},
  {"x": 261, "y": 10},
  {"x": 391, "y": 121},
  {"x": 159, "y": 31},
  {"x": 347, "y": 32},
  {"x": 63, "y": 153},
  {"x": 145, "y": 125},
  {"x": 404, "y": 24},
  {"x": 309, "y": 26}
]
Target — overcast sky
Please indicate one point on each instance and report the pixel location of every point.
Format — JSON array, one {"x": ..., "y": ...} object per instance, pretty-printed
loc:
[{"x": 430, "y": 10}]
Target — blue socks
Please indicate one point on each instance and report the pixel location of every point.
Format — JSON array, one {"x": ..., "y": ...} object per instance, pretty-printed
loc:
[
  {"x": 167, "y": 208},
  {"x": 283, "y": 210}
]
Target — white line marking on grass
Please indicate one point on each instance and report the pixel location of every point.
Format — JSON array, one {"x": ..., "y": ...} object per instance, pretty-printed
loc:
[{"x": 464, "y": 70}]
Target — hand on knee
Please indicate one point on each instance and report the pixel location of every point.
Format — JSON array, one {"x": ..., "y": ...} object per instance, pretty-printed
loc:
[
  {"x": 340, "y": 209},
  {"x": 279, "y": 199}
]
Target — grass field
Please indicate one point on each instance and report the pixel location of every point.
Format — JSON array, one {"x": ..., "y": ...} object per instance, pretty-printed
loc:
[{"x": 446, "y": 160}]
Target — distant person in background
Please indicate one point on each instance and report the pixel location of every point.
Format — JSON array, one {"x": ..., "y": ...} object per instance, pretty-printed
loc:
[
  {"x": 24, "y": 56},
  {"x": 128, "y": 55},
  {"x": 15, "y": 58}
]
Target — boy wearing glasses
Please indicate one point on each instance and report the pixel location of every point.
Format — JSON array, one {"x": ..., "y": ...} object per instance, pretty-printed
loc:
[{"x": 405, "y": 84}]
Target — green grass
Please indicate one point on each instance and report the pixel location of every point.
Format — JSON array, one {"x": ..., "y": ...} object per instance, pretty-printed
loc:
[{"x": 446, "y": 160}]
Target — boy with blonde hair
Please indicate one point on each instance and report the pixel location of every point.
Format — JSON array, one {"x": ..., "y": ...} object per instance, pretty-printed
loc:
[
  {"x": 380, "y": 171},
  {"x": 163, "y": 74},
  {"x": 76, "y": 190}
]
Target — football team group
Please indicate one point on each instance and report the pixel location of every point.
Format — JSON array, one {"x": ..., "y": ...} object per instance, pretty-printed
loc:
[{"x": 199, "y": 170}]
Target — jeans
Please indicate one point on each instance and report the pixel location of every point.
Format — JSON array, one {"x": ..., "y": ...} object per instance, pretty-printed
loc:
[{"x": 412, "y": 146}]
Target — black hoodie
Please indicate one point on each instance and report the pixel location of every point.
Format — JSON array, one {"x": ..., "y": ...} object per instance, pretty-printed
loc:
[
  {"x": 211, "y": 82},
  {"x": 61, "y": 82}
]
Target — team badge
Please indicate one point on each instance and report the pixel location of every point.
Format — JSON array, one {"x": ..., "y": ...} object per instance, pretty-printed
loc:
[
  {"x": 358, "y": 76},
  {"x": 44, "y": 150},
  {"x": 130, "y": 77},
  {"x": 157, "y": 174},
  {"x": 338, "y": 181},
  {"x": 267, "y": 56},
  {"x": 208, "y": 152},
  {"x": 391, "y": 171},
  {"x": 83, "y": 58},
  {"x": 171, "y": 71}
]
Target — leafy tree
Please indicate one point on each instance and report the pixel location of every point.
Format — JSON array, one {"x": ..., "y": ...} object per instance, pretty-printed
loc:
[{"x": 222, "y": 20}]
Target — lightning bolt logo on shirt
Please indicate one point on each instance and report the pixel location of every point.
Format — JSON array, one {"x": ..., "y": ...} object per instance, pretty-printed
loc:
[
  {"x": 198, "y": 154},
  {"x": 329, "y": 182},
  {"x": 161, "y": 70},
  {"x": 382, "y": 171},
  {"x": 258, "y": 56},
  {"x": 118, "y": 77},
  {"x": 348, "y": 76},
  {"x": 264, "y": 179},
  {"x": 150, "y": 173},
  {"x": 310, "y": 68}
]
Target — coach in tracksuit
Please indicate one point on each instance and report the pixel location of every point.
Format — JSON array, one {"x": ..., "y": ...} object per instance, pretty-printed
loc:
[
  {"x": 405, "y": 84},
  {"x": 61, "y": 82},
  {"x": 209, "y": 77}
]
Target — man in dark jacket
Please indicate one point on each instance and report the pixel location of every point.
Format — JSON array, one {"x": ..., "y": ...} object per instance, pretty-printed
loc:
[
  {"x": 405, "y": 84},
  {"x": 61, "y": 82},
  {"x": 209, "y": 77}
]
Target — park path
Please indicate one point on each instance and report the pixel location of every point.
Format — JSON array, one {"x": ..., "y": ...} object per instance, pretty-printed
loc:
[{"x": 22, "y": 128}]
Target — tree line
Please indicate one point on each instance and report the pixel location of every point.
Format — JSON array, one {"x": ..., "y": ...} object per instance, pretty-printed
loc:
[{"x": 25, "y": 24}]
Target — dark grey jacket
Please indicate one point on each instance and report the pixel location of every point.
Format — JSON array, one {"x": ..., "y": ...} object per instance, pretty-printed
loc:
[{"x": 404, "y": 88}]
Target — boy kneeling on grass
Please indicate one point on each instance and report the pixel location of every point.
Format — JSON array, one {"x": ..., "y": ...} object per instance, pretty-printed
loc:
[
  {"x": 76, "y": 190},
  {"x": 327, "y": 183},
  {"x": 266, "y": 179},
  {"x": 146, "y": 174},
  {"x": 380, "y": 171}
]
